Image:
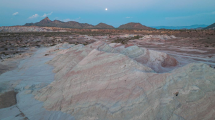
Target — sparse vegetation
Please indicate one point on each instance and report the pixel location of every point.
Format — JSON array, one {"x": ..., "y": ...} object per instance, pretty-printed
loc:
[
  {"x": 15, "y": 41},
  {"x": 125, "y": 40}
]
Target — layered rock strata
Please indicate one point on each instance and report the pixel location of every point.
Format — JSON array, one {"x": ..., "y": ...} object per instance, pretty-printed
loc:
[{"x": 101, "y": 81}]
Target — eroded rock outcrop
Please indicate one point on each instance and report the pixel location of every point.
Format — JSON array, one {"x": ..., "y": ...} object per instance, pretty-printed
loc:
[
  {"x": 158, "y": 37},
  {"x": 105, "y": 82},
  {"x": 158, "y": 61}
]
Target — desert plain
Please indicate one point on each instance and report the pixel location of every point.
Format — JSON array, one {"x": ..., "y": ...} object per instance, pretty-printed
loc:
[{"x": 106, "y": 74}]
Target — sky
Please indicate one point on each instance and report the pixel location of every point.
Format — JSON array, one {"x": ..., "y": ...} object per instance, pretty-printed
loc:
[{"x": 118, "y": 12}]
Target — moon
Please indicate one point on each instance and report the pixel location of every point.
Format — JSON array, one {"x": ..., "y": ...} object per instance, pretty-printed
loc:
[{"x": 106, "y": 9}]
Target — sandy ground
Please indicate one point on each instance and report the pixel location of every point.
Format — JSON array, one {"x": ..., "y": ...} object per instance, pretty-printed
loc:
[{"x": 26, "y": 79}]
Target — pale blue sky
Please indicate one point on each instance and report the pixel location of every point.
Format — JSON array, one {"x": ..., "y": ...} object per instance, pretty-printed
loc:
[{"x": 147, "y": 12}]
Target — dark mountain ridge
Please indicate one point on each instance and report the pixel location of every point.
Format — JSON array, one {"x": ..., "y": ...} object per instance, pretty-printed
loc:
[
  {"x": 46, "y": 22},
  {"x": 212, "y": 26}
]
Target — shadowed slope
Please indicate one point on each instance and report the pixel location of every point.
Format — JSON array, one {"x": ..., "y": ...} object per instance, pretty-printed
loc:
[{"x": 212, "y": 26}]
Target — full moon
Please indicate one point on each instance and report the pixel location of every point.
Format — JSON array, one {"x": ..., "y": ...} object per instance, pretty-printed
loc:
[{"x": 106, "y": 9}]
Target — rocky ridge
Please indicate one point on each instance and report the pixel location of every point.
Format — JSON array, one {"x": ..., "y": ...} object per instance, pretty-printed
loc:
[{"x": 46, "y": 22}]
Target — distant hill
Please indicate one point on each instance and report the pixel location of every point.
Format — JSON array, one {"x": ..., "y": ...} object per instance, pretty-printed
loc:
[
  {"x": 180, "y": 27},
  {"x": 132, "y": 25},
  {"x": 103, "y": 26},
  {"x": 211, "y": 27},
  {"x": 46, "y": 22}
]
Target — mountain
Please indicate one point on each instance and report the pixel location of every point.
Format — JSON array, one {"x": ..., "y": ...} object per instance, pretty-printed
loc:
[
  {"x": 46, "y": 22},
  {"x": 103, "y": 26},
  {"x": 211, "y": 27},
  {"x": 132, "y": 25},
  {"x": 180, "y": 27}
]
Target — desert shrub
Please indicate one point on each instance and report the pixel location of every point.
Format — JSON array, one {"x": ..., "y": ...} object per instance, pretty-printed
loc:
[
  {"x": 4, "y": 53},
  {"x": 47, "y": 35},
  {"x": 85, "y": 43},
  {"x": 118, "y": 40},
  {"x": 53, "y": 44},
  {"x": 136, "y": 37}
]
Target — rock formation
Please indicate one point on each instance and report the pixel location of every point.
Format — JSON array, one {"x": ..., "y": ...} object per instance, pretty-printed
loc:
[
  {"x": 101, "y": 81},
  {"x": 7, "y": 99}
]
